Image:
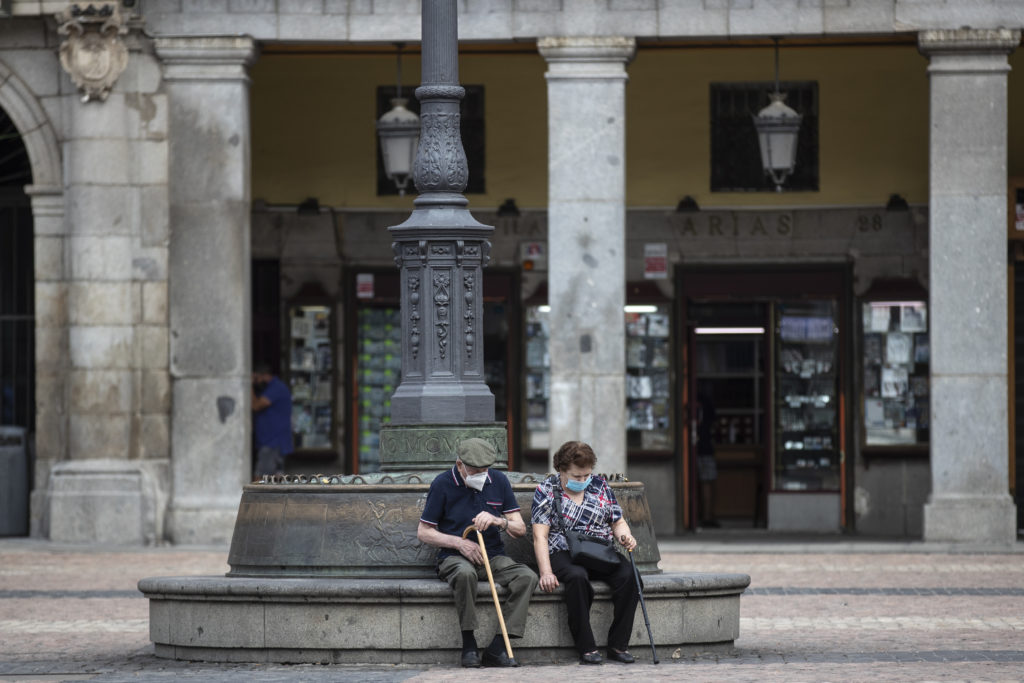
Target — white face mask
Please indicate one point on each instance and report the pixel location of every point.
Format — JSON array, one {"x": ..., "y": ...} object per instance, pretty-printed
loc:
[{"x": 476, "y": 481}]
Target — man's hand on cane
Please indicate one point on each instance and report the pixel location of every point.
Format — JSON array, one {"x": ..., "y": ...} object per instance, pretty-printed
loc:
[
  {"x": 470, "y": 550},
  {"x": 485, "y": 520}
]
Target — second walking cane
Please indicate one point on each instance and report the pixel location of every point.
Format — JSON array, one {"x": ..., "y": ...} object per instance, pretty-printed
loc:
[
  {"x": 494, "y": 591},
  {"x": 643, "y": 606}
]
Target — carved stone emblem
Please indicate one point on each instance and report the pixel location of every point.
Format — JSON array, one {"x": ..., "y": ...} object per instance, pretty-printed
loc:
[{"x": 93, "y": 53}]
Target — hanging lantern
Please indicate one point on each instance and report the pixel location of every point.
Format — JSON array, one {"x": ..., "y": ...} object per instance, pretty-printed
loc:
[
  {"x": 399, "y": 132},
  {"x": 778, "y": 127}
]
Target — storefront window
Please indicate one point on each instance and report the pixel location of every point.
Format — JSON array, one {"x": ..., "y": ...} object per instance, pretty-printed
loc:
[
  {"x": 648, "y": 379},
  {"x": 311, "y": 373},
  {"x": 806, "y": 405},
  {"x": 895, "y": 365},
  {"x": 378, "y": 373}
]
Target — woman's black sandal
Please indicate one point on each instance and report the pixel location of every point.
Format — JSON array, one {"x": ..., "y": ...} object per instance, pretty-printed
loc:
[{"x": 624, "y": 656}]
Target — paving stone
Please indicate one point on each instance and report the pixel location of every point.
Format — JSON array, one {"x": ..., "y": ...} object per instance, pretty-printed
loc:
[{"x": 73, "y": 613}]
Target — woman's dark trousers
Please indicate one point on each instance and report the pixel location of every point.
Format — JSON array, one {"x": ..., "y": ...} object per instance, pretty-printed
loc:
[{"x": 579, "y": 595}]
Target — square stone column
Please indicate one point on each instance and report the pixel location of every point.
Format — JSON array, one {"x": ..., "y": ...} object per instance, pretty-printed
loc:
[
  {"x": 970, "y": 499},
  {"x": 587, "y": 242},
  {"x": 101, "y": 352},
  {"x": 210, "y": 318}
]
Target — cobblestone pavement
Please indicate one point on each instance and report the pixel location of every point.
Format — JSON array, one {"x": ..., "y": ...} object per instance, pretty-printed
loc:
[{"x": 816, "y": 612}]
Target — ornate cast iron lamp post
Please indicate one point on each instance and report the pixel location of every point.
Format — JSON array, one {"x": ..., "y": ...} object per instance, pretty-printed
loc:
[{"x": 441, "y": 251}]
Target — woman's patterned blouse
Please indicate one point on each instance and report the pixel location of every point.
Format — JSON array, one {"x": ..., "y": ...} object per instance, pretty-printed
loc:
[{"x": 594, "y": 516}]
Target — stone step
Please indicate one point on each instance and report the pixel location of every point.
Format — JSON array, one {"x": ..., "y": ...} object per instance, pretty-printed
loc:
[{"x": 413, "y": 621}]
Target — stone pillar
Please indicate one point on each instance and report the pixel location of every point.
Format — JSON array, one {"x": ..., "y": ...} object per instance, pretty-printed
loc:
[
  {"x": 967, "y": 206},
  {"x": 51, "y": 345},
  {"x": 586, "y": 241},
  {"x": 210, "y": 318}
]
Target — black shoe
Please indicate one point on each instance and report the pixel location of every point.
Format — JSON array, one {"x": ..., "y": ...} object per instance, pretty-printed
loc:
[
  {"x": 471, "y": 659},
  {"x": 624, "y": 656},
  {"x": 591, "y": 658},
  {"x": 501, "y": 659}
]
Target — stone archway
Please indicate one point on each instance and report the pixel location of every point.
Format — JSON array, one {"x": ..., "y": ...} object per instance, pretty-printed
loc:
[{"x": 50, "y": 347}]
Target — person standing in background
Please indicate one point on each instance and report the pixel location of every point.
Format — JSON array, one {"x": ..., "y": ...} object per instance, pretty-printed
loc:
[{"x": 272, "y": 421}]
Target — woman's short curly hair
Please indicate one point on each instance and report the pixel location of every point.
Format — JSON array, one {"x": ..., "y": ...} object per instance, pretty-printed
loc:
[{"x": 574, "y": 453}]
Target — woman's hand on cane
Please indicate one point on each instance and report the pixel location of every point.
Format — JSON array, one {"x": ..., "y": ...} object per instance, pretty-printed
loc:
[{"x": 627, "y": 541}]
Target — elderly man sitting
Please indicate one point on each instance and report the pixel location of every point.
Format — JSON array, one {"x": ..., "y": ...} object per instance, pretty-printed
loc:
[{"x": 472, "y": 494}]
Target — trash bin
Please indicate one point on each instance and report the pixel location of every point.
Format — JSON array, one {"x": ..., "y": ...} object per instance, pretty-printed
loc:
[{"x": 13, "y": 482}]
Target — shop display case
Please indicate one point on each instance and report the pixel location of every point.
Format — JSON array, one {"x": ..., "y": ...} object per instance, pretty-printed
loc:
[
  {"x": 895, "y": 359},
  {"x": 807, "y": 444},
  {"x": 311, "y": 377},
  {"x": 377, "y": 373},
  {"x": 649, "y": 424}
]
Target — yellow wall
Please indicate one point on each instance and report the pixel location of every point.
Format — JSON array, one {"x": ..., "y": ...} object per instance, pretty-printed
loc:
[
  {"x": 313, "y": 124},
  {"x": 314, "y": 135},
  {"x": 872, "y": 133}
]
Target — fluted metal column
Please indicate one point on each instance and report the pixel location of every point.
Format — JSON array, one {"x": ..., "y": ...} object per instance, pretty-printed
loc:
[{"x": 441, "y": 251}]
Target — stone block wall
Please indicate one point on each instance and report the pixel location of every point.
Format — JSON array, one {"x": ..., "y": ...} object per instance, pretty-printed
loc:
[{"x": 100, "y": 212}]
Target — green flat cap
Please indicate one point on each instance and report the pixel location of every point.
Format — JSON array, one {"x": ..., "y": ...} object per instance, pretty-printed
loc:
[{"x": 476, "y": 453}]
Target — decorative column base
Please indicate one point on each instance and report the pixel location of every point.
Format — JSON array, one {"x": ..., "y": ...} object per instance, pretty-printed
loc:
[
  {"x": 970, "y": 519},
  {"x": 432, "y": 446},
  {"x": 117, "y": 502}
]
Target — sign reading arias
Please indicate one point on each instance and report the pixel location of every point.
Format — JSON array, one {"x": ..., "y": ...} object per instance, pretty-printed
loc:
[{"x": 736, "y": 224}]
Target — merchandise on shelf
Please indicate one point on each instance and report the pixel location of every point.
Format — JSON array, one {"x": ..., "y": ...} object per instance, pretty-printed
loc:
[
  {"x": 378, "y": 373},
  {"x": 311, "y": 377},
  {"x": 895, "y": 373},
  {"x": 806, "y": 386},
  {"x": 648, "y": 382}
]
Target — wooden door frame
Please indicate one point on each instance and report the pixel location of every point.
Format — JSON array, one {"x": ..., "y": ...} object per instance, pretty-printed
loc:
[{"x": 771, "y": 283}]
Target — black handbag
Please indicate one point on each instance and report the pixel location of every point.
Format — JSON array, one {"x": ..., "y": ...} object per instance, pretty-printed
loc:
[{"x": 592, "y": 552}]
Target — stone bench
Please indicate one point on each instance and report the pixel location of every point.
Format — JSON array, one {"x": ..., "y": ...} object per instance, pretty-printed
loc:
[{"x": 371, "y": 620}]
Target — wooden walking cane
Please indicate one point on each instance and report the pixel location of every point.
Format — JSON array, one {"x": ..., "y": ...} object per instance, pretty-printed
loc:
[{"x": 494, "y": 591}]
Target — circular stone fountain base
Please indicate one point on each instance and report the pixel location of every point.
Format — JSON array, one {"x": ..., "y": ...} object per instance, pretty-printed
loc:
[{"x": 412, "y": 621}]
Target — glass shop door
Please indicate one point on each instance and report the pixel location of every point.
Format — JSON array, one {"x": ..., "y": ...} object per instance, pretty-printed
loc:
[{"x": 727, "y": 406}]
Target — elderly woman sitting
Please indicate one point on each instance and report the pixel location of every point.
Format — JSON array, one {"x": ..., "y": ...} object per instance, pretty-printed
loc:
[{"x": 587, "y": 505}]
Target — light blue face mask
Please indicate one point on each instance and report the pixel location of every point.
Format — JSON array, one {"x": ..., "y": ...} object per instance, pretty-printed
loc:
[{"x": 577, "y": 486}]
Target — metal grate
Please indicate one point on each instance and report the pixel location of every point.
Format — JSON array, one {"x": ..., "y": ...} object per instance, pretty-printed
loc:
[
  {"x": 735, "y": 156},
  {"x": 17, "y": 319},
  {"x": 17, "y": 283}
]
